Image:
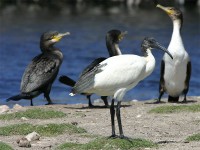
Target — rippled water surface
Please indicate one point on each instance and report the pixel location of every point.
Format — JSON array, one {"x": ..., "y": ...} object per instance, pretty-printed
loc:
[{"x": 21, "y": 27}]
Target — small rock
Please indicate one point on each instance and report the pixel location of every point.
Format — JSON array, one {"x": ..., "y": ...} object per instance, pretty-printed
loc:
[
  {"x": 4, "y": 108},
  {"x": 17, "y": 107},
  {"x": 83, "y": 110},
  {"x": 134, "y": 100},
  {"x": 74, "y": 123},
  {"x": 138, "y": 116},
  {"x": 33, "y": 136},
  {"x": 23, "y": 142},
  {"x": 24, "y": 118}
]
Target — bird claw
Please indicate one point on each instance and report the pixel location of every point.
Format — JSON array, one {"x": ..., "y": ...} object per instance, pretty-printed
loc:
[{"x": 113, "y": 136}]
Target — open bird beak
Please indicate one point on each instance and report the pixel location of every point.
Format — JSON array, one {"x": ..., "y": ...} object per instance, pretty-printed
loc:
[
  {"x": 159, "y": 46},
  {"x": 121, "y": 36},
  {"x": 59, "y": 36},
  {"x": 168, "y": 11}
]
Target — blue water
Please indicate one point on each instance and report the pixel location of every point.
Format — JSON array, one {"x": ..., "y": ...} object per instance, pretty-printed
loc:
[{"x": 21, "y": 27}]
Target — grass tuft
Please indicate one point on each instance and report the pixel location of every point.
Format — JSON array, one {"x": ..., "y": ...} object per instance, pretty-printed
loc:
[
  {"x": 5, "y": 146},
  {"x": 195, "y": 137},
  {"x": 33, "y": 114},
  {"x": 44, "y": 130},
  {"x": 109, "y": 144},
  {"x": 176, "y": 109}
]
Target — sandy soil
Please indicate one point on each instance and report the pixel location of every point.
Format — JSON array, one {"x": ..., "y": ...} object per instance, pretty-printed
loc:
[{"x": 169, "y": 130}]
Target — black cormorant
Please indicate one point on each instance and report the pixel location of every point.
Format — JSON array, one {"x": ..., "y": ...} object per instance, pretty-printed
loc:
[
  {"x": 113, "y": 37},
  {"x": 43, "y": 69}
]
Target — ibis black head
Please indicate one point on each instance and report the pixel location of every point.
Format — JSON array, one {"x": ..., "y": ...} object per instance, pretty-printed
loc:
[
  {"x": 115, "y": 36},
  {"x": 150, "y": 43},
  {"x": 174, "y": 13}
]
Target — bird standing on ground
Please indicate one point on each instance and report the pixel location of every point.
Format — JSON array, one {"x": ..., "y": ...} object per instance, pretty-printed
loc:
[
  {"x": 116, "y": 75},
  {"x": 113, "y": 37},
  {"x": 43, "y": 69},
  {"x": 175, "y": 75}
]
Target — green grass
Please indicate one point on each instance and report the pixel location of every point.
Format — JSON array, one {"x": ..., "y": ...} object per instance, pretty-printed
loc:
[
  {"x": 195, "y": 137},
  {"x": 109, "y": 144},
  {"x": 176, "y": 109},
  {"x": 4, "y": 146},
  {"x": 33, "y": 114},
  {"x": 44, "y": 130}
]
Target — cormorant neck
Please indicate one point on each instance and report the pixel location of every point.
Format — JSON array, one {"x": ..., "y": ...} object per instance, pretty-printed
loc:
[
  {"x": 176, "y": 35},
  {"x": 46, "y": 47},
  {"x": 177, "y": 26},
  {"x": 113, "y": 48}
]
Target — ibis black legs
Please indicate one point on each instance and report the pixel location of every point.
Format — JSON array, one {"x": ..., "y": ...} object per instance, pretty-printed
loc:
[
  {"x": 112, "y": 114},
  {"x": 118, "y": 114},
  {"x": 121, "y": 134}
]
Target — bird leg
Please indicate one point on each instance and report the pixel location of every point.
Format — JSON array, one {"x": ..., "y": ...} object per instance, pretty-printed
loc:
[
  {"x": 185, "y": 99},
  {"x": 48, "y": 99},
  {"x": 31, "y": 102},
  {"x": 118, "y": 114},
  {"x": 112, "y": 113},
  {"x": 160, "y": 95},
  {"x": 104, "y": 98},
  {"x": 89, "y": 101}
]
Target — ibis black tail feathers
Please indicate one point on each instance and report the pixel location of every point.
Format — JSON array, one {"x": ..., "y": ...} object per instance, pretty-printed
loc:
[{"x": 67, "y": 81}]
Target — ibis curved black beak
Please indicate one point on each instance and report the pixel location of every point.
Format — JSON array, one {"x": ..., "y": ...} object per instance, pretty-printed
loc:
[{"x": 159, "y": 46}]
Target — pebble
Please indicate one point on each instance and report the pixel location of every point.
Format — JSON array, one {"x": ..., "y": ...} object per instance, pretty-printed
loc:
[
  {"x": 4, "y": 109},
  {"x": 33, "y": 136},
  {"x": 24, "y": 118},
  {"x": 17, "y": 107},
  {"x": 23, "y": 142}
]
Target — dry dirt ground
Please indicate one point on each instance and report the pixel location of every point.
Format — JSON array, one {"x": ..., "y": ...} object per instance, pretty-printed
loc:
[{"x": 169, "y": 130}]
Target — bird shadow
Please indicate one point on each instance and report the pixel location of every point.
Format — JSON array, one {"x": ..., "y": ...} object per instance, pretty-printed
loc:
[
  {"x": 179, "y": 102},
  {"x": 94, "y": 107}
]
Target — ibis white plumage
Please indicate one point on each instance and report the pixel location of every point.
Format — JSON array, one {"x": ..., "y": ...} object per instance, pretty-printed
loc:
[
  {"x": 113, "y": 37},
  {"x": 118, "y": 74},
  {"x": 175, "y": 75}
]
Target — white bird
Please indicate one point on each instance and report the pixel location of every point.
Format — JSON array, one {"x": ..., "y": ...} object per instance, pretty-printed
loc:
[
  {"x": 175, "y": 75},
  {"x": 118, "y": 74},
  {"x": 113, "y": 37}
]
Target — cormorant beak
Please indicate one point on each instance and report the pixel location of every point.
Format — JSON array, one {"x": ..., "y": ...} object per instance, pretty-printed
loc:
[
  {"x": 159, "y": 46},
  {"x": 59, "y": 36},
  {"x": 121, "y": 36},
  {"x": 168, "y": 11}
]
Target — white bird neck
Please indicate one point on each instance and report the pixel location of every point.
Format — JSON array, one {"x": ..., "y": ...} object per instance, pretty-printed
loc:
[
  {"x": 176, "y": 35},
  {"x": 117, "y": 49},
  {"x": 150, "y": 62}
]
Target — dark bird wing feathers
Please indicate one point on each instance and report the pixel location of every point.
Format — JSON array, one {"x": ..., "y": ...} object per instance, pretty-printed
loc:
[
  {"x": 87, "y": 77},
  {"x": 92, "y": 65},
  {"x": 40, "y": 72}
]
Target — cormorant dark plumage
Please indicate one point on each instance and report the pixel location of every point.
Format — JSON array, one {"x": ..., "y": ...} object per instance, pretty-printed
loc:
[
  {"x": 113, "y": 37},
  {"x": 118, "y": 74},
  {"x": 43, "y": 69},
  {"x": 175, "y": 75}
]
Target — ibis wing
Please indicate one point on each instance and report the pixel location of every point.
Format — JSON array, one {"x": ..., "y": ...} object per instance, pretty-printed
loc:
[
  {"x": 92, "y": 65},
  {"x": 114, "y": 72}
]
